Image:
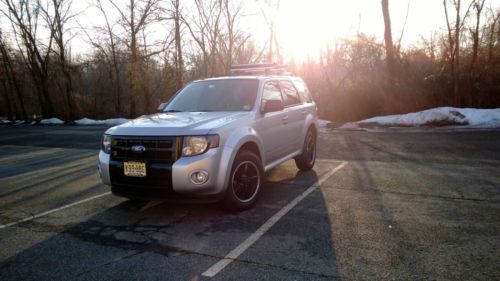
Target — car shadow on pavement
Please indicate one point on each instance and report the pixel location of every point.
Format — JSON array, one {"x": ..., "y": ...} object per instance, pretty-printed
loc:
[{"x": 167, "y": 241}]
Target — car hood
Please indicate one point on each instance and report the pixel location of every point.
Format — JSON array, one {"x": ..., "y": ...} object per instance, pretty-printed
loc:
[{"x": 178, "y": 123}]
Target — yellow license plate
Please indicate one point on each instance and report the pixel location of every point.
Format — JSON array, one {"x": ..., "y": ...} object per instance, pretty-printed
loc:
[{"x": 134, "y": 169}]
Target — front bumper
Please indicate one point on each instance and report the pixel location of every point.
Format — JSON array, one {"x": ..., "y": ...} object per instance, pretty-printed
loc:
[{"x": 175, "y": 180}]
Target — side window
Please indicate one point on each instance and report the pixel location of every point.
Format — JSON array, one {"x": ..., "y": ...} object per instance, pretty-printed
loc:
[
  {"x": 271, "y": 92},
  {"x": 303, "y": 91},
  {"x": 289, "y": 93}
]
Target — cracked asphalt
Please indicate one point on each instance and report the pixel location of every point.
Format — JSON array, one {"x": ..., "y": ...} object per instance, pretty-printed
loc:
[{"x": 412, "y": 205}]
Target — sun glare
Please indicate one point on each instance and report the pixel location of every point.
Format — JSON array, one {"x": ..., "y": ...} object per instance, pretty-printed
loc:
[{"x": 306, "y": 27}]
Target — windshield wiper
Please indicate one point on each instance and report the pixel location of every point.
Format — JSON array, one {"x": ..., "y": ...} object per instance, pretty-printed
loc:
[{"x": 172, "y": 110}]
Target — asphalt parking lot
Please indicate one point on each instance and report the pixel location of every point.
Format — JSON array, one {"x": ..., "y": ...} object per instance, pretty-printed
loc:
[{"x": 378, "y": 206}]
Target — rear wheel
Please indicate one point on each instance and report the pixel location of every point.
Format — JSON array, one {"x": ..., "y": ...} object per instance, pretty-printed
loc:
[
  {"x": 245, "y": 182},
  {"x": 306, "y": 160}
]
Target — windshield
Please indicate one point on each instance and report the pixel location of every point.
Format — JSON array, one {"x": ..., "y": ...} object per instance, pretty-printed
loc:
[{"x": 216, "y": 95}]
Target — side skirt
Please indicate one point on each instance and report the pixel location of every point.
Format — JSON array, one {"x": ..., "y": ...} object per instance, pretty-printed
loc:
[{"x": 281, "y": 160}]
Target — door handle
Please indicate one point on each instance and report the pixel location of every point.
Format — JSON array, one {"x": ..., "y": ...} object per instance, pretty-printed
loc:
[
  {"x": 304, "y": 112},
  {"x": 285, "y": 119}
]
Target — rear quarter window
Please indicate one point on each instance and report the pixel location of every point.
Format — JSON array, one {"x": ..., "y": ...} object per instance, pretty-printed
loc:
[{"x": 303, "y": 91}]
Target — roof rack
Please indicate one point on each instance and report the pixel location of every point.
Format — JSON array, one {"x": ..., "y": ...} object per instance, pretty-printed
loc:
[{"x": 259, "y": 69}]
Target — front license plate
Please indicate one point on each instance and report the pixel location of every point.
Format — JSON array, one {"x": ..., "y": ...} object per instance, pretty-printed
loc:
[{"x": 134, "y": 169}]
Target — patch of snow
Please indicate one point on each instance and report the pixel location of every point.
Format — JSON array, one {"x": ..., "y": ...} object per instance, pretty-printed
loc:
[
  {"x": 350, "y": 126},
  {"x": 51, "y": 121},
  {"x": 107, "y": 122},
  {"x": 323, "y": 124},
  {"x": 437, "y": 117},
  {"x": 482, "y": 118}
]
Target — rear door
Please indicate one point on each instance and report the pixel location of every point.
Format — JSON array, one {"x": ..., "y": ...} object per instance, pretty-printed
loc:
[{"x": 294, "y": 115}]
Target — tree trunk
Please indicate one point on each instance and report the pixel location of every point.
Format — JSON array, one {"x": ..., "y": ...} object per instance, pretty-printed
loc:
[
  {"x": 44, "y": 87},
  {"x": 118, "y": 87},
  {"x": 456, "y": 80},
  {"x": 475, "y": 36},
  {"x": 491, "y": 42},
  {"x": 114, "y": 60},
  {"x": 12, "y": 79},
  {"x": 8, "y": 105},
  {"x": 478, "y": 6},
  {"x": 69, "y": 94},
  {"x": 271, "y": 36},
  {"x": 58, "y": 35},
  {"x": 389, "y": 47},
  {"x": 179, "y": 61},
  {"x": 133, "y": 63}
]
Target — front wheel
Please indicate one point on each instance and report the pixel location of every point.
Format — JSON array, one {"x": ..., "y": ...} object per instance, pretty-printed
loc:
[
  {"x": 306, "y": 160},
  {"x": 245, "y": 182}
]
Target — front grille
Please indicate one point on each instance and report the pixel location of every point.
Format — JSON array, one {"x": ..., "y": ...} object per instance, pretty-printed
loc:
[{"x": 158, "y": 149}]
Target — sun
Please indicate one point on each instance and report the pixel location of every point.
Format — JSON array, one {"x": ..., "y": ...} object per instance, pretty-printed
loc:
[{"x": 305, "y": 27}]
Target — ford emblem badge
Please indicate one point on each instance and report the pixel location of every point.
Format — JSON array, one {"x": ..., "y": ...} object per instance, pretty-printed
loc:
[{"x": 138, "y": 148}]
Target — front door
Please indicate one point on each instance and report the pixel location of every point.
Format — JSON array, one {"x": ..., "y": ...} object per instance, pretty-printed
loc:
[{"x": 272, "y": 126}]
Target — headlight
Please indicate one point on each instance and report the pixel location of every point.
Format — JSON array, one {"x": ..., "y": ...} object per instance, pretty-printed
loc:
[
  {"x": 196, "y": 145},
  {"x": 106, "y": 144}
]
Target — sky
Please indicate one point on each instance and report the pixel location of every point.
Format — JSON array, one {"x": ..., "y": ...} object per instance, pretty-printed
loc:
[
  {"x": 304, "y": 27},
  {"x": 307, "y": 25}
]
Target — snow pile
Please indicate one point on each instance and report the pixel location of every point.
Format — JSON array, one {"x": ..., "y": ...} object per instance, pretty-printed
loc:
[
  {"x": 51, "y": 121},
  {"x": 435, "y": 117},
  {"x": 323, "y": 124},
  {"x": 107, "y": 122},
  {"x": 483, "y": 118}
]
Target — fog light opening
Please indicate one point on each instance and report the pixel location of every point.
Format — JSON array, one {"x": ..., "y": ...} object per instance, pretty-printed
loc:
[{"x": 199, "y": 177}]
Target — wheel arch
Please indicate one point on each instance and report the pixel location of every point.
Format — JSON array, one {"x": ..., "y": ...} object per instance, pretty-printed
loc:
[
  {"x": 252, "y": 147},
  {"x": 312, "y": 127},
  {"x": 310, "y": 123},
  {"x": 242, "y": 138}
]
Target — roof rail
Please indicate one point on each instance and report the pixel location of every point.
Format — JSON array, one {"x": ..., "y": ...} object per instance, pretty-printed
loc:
[{"x": 259, "y": 69}]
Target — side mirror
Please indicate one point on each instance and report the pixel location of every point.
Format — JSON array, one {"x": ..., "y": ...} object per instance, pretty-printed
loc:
[
  {"x": 161, "y": 106},
  {"x": 272, "y": 106}
]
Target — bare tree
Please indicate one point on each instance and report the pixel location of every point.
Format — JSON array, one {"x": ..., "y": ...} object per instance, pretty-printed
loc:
[
  {"x": 11, "y": 77},
  {"x": 268, "y": 11},
  {"x": 205, "y": 29},
  {"x": 24, "y": 16},
  {"x": 178, "y": 57},
  {"x": 478, "y": 7},
  {"x": 56, "y": 15},
  {"x": 389, "y": 48},
  {"x": 454, "y": 44},
  {"x": 430, "y": 47},
  {"x": 233, "y": 37},
  {"x": 134, "y": 19},
  {"x": 5, "y": 93},
  {"x": 491, "y": 40},
  {"x": 110, "y": 52}
]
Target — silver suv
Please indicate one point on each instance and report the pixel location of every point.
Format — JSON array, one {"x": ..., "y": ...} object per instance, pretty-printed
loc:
[{"x": 214, "y": 140}]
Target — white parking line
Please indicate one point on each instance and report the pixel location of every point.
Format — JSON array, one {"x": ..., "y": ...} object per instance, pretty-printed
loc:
[
  {"x": 236, "y": 252},
  {"x": 30, "y": 218}
]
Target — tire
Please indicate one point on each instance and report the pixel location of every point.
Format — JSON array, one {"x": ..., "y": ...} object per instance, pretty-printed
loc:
[
  {"x": 306, "y": 160},
  {"x": 245, "y": 182}
]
